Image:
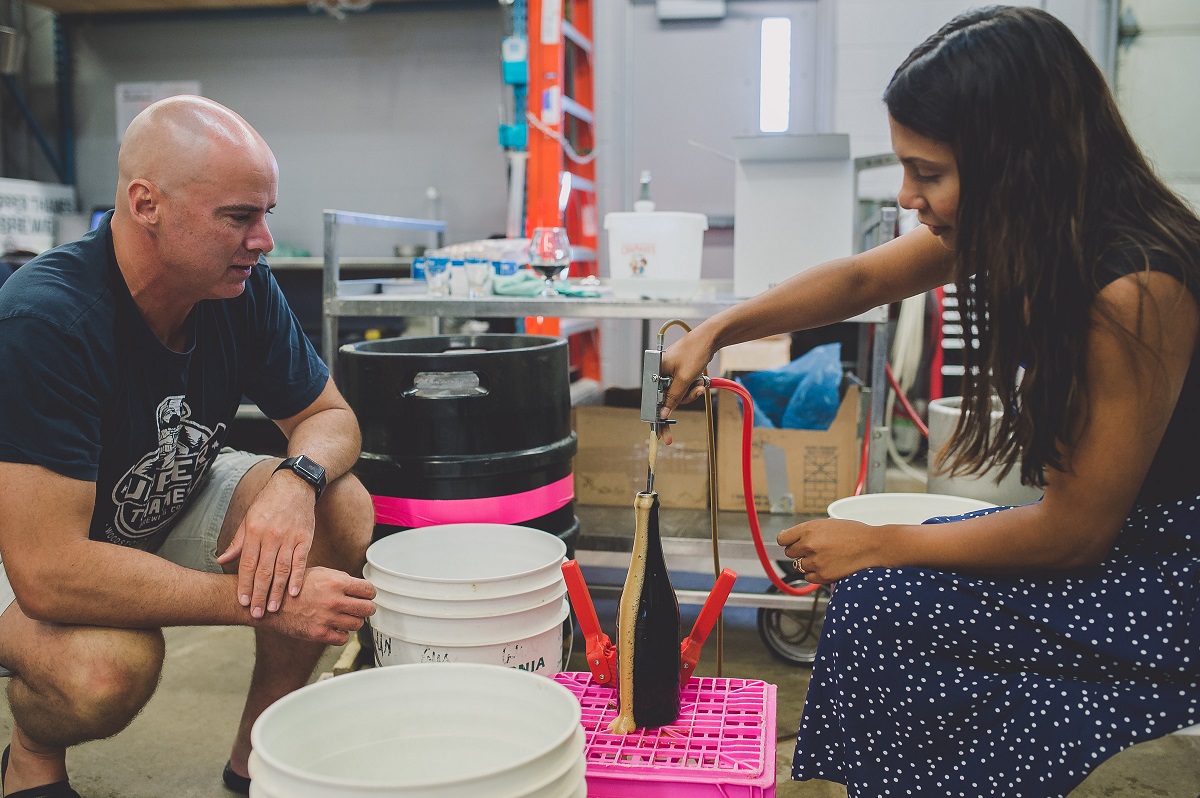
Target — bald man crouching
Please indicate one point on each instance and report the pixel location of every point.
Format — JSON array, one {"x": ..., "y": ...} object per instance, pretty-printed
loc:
[{"x": 125, "y": 356}]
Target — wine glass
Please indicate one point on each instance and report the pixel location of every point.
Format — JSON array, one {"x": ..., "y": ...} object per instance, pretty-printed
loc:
[{"x": 549, "y": 254}]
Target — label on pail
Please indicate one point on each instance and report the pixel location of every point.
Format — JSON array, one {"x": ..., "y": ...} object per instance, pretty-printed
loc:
[
  {"x": 541, "y": 653},
  {"x": 638, "y": 254}
]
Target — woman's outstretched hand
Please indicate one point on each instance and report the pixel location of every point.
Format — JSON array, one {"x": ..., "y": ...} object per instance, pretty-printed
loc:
[{"x": 684, "y": 361}]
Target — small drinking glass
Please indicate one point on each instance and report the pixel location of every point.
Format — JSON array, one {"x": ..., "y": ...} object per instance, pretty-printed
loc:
[
  {"x": 549, "y": 254},
  {"x": 437, "y": 276},
  {"x": 478, "y": 272}
]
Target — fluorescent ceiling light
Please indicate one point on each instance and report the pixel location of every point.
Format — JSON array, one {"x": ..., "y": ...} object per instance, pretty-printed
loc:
[{"x": 775, "y": 75}]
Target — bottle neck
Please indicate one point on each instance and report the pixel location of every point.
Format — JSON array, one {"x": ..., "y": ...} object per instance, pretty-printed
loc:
[{"x": 654, "y": 551}]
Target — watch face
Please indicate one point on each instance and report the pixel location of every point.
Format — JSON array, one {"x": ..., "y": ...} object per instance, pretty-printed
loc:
[{"x": 308, "y": 468}]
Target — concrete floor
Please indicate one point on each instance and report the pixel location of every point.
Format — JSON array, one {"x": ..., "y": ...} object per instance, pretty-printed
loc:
[{"x": 179, "y": 744}]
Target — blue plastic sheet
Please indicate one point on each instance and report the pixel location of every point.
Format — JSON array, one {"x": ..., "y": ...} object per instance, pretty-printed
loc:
[{"x": 801, "y": 395}]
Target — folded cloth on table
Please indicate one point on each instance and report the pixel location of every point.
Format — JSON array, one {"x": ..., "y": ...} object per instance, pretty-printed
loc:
[
  {"x": 526, "y": 283},
  {"x": 523, "y": 283}
]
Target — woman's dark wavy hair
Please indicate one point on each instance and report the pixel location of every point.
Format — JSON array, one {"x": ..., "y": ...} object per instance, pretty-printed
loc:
[{"x": 1052, "y": 185}]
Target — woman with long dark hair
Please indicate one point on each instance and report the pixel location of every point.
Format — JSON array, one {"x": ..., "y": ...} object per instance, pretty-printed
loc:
[{"x": 1009, "y": 652}]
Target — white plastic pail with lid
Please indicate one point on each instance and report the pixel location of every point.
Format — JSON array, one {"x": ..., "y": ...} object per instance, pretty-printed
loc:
[
  {"x": 435, "y": 731},
  {"x": 483, "y": 593},
  {"x": 655, "y": 253}
]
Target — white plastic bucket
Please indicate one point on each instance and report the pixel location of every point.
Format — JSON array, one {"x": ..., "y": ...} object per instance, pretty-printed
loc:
[
  {"x": 467, "y": 561},
  {"x": 902, "y": 508},
  {"x": 532, "y": 643},
  {"x": 480, "y": 593},
  {"x": 655, "y": 253},
  {"x": 943, "y": 417},
  {"x": 444, "y": 607},
  {"x": 438, "y": 731}
]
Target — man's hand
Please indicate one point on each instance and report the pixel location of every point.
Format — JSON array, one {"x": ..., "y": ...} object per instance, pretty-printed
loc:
[
  {"x": 273, "y": 542},
  {"x": 330, "y": 608}
]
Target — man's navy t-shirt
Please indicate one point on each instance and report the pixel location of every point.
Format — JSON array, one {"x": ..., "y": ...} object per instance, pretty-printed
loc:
[{"x": 90, "y": 393}]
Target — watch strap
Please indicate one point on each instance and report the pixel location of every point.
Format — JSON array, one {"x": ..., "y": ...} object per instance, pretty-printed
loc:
[{"x": 307, "y": 469}]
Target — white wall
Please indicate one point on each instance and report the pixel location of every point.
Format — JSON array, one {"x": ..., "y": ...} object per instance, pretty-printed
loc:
[
  {"x": 875, "y": 36},
  {"x": 366, "y": 113},
  {"x": 362, "y": 114}
]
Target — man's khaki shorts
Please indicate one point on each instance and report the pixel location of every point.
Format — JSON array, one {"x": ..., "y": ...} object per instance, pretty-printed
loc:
[{"x": 192, "y": 543}]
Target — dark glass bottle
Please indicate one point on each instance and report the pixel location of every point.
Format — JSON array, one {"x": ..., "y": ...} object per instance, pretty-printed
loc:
[{"x": 656, "y": 634}]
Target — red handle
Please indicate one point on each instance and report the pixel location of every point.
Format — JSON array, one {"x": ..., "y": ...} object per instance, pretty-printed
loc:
[
  {"x": 581, "y": 600},
  {"x": 689, "y": 650},
  {"x": 713, "y": 606},
  {"x": 601, "y": 653}
]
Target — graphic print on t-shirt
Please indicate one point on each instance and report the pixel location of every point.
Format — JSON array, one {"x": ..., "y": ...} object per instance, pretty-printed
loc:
[{"x": 155, "y": 490}]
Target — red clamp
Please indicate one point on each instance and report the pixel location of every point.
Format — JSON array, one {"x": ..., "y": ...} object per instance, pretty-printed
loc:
[
  {"x": 601, "y": 653},
  {"x": 689, "y": 653}
]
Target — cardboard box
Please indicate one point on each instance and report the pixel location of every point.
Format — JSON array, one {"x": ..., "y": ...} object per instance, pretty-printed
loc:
[
  {"x": 793, "y": 471},
  {"x": 761, "y": 355},
  {"x": 614, "y": 452}
]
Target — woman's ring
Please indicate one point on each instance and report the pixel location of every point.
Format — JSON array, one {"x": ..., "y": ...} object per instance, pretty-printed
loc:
[{"x": 798, "y": 564}]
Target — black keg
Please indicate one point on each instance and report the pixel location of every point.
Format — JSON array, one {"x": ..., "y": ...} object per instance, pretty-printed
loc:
[{"x": 465, "y": 428}]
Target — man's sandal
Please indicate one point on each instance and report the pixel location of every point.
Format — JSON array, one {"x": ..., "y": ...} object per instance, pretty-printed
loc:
[
  {"x": 235, "y": 782},
  {"x": 59, "y": 789}
]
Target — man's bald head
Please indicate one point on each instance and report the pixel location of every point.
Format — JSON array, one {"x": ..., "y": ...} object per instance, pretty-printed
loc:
[{"x": 175, "y": 142}]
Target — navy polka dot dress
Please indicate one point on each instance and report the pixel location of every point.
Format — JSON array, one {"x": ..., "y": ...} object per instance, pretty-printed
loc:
[{"x": 932, "y": 683}]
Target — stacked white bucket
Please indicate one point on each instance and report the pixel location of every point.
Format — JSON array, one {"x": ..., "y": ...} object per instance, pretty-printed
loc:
[
  {"x": 428, "y": 731},
  {"x": 466, "y": 615},
  {"x": 486, "y": 593}
]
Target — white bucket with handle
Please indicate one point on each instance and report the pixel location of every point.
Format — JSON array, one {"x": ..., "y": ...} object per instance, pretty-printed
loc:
[
  {"x": 435, "y": 731},
  {"x": 483, "y": 593}
]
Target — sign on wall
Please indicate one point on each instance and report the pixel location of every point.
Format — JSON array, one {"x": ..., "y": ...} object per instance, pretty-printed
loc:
[{"x": 28, "y": 211}]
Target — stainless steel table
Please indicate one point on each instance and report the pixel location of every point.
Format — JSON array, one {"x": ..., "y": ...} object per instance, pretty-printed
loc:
[{"x": 604, "y": 307}]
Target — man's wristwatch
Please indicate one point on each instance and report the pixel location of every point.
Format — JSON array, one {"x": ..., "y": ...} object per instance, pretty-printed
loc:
[{"x": 307, "y": 469}]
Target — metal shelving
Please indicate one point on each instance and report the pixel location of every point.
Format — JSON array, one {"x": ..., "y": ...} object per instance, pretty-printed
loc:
[{"x": 333, "y": 263}]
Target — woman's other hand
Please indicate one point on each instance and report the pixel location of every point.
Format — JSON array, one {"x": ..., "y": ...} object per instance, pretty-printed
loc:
[{"x": 832, "y": 549}]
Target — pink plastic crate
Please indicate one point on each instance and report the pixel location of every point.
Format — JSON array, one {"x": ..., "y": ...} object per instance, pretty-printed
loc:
[{"x": 722, "y": 745}]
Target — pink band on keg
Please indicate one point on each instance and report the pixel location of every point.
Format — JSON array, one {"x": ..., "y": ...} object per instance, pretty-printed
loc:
[{"x": 511, "y": 509}]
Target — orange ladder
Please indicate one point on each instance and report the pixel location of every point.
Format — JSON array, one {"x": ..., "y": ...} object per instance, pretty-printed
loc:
[{"x": 561, "y": 172}]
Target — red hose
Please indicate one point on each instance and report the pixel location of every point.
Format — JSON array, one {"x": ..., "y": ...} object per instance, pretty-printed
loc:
[
  {"x": 748, "y": 489},
  {"x": 860, "y": 484},
  {"x": 908, "y": 408}
]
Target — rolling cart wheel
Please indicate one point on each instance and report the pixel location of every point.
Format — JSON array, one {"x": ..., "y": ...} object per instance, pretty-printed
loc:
[{"x": 791, "y": 635}]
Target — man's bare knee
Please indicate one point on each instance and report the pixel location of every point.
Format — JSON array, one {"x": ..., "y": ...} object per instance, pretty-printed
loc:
[
  {"x": 113, "y": 678},
  {"x": 345, "y": 522}
]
